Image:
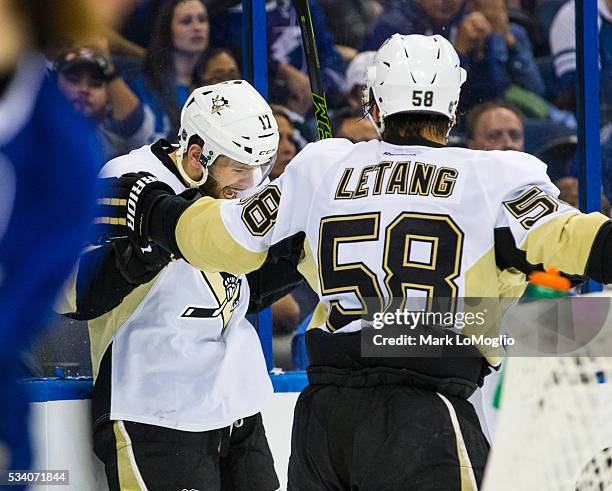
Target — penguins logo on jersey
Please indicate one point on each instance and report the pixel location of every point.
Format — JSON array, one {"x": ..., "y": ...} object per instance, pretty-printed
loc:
[{"x": 226, "y": 288}]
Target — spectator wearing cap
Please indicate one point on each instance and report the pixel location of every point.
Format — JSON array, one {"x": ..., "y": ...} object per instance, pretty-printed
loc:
[
  {"x": 88, "y": 79},
  {"x": 356, "y": 77},
  {"x": 496, "y": 53}
]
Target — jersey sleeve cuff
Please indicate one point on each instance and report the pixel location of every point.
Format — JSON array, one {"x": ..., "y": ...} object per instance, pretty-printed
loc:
[{"x": 165, "y": 217}]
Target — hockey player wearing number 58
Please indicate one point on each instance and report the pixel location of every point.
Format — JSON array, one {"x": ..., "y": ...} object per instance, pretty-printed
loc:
[
  {"x": 386, "y": 221},
  {"x": 180, "y": 374}
]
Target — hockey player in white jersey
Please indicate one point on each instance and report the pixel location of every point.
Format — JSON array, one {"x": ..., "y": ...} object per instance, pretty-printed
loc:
[
  {"x": 382, "y": 222},
  {"x": 180, "y": 375}
]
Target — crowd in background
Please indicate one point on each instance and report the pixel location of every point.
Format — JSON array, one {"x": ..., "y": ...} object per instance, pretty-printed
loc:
[{"x": 520, "y": 94}]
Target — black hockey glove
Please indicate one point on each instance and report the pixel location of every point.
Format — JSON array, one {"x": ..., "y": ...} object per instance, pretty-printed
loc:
[
  {"x": 141, "y": 208},
  {"x": 108, "y": 274},
  {"x": 139, "y": 266},
  {"x": 125, "y": 207}
]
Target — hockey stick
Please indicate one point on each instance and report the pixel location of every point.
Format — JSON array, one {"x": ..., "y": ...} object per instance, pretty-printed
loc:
[
  {"x": 314, "y": 68},
  {"x": 202, "y": 312}
]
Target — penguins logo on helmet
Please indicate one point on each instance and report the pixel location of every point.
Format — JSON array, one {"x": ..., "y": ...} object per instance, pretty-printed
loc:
[
  {"x": 218, "y": 104},
  {"x": 226, "y": 118}
]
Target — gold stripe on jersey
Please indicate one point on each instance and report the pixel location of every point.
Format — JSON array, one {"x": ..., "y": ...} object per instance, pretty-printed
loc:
[
  {"x": 127, "y": 469},
  {"x": 319, "y": 316},
  {"x": 112, "y": 201},
  {"x": 207, "y": 245},
  {"x": 564, "y": 242},
  {"x": 308, "y": 268},
  {"x": 468, "y": 480},
  {"x": 110, "y": 221},
  {"x": 103, "y": 328}
]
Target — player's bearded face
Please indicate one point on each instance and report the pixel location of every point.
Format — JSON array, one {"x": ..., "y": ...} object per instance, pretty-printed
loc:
[{"x": 227, "y": 178}]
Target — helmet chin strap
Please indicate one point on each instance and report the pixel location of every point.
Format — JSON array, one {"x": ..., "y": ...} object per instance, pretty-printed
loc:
[
  {"x": 451, "y": 125},
  {"x": 379, "y": 126},
  {"x": 180, "y": 153}
]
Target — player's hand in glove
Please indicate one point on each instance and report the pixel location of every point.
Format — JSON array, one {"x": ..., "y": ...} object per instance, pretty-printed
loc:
[
  {"x": 139, "y": 266},
  {"x": 124, "y": 210}
]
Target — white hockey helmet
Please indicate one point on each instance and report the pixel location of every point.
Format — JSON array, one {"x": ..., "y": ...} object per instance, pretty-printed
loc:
[
  {"x": 234, "y": 120},
  {"x": 415, "y": 73}
]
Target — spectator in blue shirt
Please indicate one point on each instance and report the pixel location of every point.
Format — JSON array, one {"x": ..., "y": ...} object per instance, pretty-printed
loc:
[
  {"x": 496, "y": 53},
  {"x": 178, "y": 42}
]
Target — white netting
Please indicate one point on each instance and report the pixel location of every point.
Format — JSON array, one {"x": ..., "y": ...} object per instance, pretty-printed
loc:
[{"x": 555, "y": 425}]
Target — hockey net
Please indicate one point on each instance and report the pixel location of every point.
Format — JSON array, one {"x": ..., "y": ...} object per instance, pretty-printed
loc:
[{"x": 554, "y": 429}]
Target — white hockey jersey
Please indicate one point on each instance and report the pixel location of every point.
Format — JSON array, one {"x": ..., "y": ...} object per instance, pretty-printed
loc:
[
  {"x": 182, "y": 354},
  {"x": 391, "y": 221}
]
